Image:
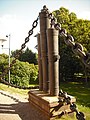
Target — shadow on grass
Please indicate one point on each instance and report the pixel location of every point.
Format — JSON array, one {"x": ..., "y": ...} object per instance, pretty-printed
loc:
[
  {"x": 79, "y": 90},
  {"x": 15, "y": 99}
]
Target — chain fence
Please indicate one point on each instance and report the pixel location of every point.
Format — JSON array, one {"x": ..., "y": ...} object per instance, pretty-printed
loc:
[
  {"x": 77, "y": 48},
  {"x": 34, "y": 25}
]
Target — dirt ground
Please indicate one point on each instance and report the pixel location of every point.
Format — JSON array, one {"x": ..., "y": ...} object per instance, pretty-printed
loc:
[{"x": 16, "y": 107}]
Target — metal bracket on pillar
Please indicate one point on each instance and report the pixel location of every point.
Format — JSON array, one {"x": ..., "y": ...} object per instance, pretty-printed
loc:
[{"x": 56, "y": 57}]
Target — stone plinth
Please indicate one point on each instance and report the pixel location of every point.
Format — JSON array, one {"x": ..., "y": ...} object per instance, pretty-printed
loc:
[{"x": 47, "y": 104}]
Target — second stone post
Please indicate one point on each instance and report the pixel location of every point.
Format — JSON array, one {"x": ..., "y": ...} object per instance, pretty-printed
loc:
[{"x": 53, "y": 59}]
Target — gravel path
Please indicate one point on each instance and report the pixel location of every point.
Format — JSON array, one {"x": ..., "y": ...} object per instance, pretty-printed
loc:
[{"x": 15, "y": 107}]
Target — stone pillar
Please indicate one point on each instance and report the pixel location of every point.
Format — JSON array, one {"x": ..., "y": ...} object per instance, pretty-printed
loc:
[
  {"x": 39, "y": 63},
  {"x": 53, "y": 59},
  {"x": 44, "y": 24}
]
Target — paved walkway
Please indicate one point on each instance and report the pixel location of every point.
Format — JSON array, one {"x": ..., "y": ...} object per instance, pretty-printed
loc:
[{"x": 15, "y": 107}]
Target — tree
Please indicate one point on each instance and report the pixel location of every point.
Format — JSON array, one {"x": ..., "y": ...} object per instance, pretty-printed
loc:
[
  {"x": 69, "y": 62},
  {"x": 22, "y": 73},
  {"x": 62, "y": 15},
  {"x": 72, "y": 17},
  {"x": 27, "y": 56},
  {"x": 80, "y": 30},
  {"x": 3, "y": 62}
]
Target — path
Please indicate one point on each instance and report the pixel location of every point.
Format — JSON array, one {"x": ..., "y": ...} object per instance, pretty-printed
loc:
[{"x": 15, "y": 107}]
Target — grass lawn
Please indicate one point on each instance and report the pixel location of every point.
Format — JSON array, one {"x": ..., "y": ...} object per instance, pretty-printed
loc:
[
  {"x": 82, "y": 94},
  {"x": 79, "y": 90},
  {"x": 13, "y": 90}
]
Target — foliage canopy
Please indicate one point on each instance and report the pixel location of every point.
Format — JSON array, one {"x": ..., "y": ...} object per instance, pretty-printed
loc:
[{"x": 70, "y": 64}]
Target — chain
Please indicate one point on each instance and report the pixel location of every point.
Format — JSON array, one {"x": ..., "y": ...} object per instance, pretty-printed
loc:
[
  {"x": 34, "y": 25},
  {"x": 66, "y": 99},
  {"x": 69, "y": 40},
  {"x": 77, "y": 48}
]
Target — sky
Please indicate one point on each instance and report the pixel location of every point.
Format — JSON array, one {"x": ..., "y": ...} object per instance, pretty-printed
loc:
[{"x": 17, "y": 16}]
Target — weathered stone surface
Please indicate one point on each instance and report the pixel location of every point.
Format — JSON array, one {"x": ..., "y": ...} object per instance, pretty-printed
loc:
[{"x": 49, "y": 106}]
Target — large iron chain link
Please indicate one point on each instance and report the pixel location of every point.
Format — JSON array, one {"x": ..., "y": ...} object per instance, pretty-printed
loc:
[
  {"x": 77, "y": 48},
  {"x": 73, "y": 107}
]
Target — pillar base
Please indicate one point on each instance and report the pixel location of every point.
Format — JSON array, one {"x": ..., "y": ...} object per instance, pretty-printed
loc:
[{"x": 49, "y": 105}]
